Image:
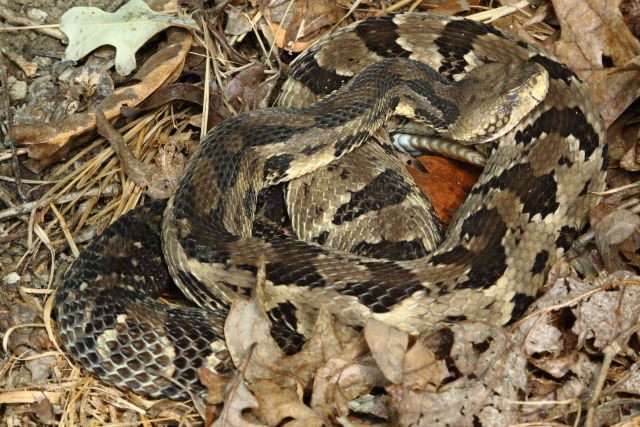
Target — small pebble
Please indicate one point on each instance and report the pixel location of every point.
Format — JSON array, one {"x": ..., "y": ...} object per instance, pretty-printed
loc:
[
  {"x": 17, "y": 90},
  {"x": 11, "y": 278},
  {"x": 37, "y": 15}
]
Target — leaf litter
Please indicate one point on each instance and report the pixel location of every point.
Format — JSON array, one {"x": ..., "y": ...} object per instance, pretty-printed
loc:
[{"x": 572, "y": 360}]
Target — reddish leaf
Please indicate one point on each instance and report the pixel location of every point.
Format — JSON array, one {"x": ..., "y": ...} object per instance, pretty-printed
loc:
[{"x": 446, "y": 183}]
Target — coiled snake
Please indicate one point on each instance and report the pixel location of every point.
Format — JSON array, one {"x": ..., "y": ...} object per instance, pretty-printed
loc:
[{"x": 547, "y": 155}]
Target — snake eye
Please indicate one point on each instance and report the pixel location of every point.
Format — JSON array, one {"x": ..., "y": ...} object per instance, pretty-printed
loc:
[{"x": 511, "y": 96}]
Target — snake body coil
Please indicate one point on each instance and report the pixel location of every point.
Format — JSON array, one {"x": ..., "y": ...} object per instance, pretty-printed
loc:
[{"x": 546, "y": 155}]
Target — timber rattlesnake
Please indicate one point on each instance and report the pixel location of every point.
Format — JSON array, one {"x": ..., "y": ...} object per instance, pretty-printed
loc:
[{"x": 532, "y": 197}]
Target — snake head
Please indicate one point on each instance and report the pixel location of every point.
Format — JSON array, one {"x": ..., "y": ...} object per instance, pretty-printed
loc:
[{"x": 494, "y": 98}]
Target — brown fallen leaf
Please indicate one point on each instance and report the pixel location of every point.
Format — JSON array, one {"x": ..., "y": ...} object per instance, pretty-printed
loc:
[
  {"x": 246, "y": 91},
  {"x": 629, "y": 160},
  {"x": 216, "y": 385},
  {"x": 43, "y": 411},
  {"x": 446, "y": 184},
  {"x": 451, "y": 7},
  {"x": 415, "y": 366},
  {"x": 242, "y": 89},
  {"x": 596, "y": 43},
  {"x": 48, "y": 142},
  {"x": 388, "y": 346},
  {"x": 421, "y": 369},
  {"x": 89, "y": 85},
  {"x": 346, "y": 376},
  {"x": 238, "y": 399},
  {"x": 295, "y": 24},
  {"x": 238, "y": 23},
  {"x": 616, "y": 233},
  {"x": 280, "y": 405},
  {"x": 173, "y": 92},
  {"x": 631, "y": 382}
]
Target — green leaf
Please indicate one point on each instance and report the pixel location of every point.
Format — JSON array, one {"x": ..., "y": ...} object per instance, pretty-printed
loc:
[{"x": 127, "y": 30}]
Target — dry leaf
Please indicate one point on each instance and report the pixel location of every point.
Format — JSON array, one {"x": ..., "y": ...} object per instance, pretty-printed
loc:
[
  {"x": 238, "y": 398},
  {"x": 242, "y": 89},
  {"x": 143, "y": 175},
  {"x": 238, "y": 23},
  {"x": 421, "y": 370},
  {"x": 88, "y": 86},
  {"x": 216, "y": 385},
  {"x": 283, "y": 405},
  {"x": 631, "y": 382},
  {"x": 295, "y": 24},
  {"x": 127, "y": 30},
  {"x": 343, "y": 378},
  {"x": 452, "y": 7},
  {"x": 614, "y": 232},
  {"x": 629, "y": 160},
  {"x": 388, "y": 346},
  {"x": 446, "y": 184},
  {"x": 606, "y": 314},
  {"x": 43, "y": 411},
  {"x": 596, "y": 43},
  {"x": 415, "y": 367}
]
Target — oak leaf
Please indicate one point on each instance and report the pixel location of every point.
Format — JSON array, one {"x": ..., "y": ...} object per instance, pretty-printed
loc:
[{"x": 127, "y": 30}]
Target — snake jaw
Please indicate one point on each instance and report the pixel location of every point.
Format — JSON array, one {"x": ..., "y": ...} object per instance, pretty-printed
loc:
[{"x": 490, "y": 112}]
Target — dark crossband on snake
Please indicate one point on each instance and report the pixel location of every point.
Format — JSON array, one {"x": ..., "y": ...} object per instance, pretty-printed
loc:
[{"x": 366, "y": 243}]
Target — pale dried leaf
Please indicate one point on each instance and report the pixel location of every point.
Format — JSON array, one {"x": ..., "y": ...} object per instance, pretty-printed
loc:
[
  {"x": 242, "y": 89},
  {"x": 127, "y": 30},
  {"x": 43, "y": 410},
  {"x": 477, "y": 346},
  {"x": 629, "y": 160},
  {"x": 216, "y": 385},
  {"x": 612, "y": 231},
  {"x": 414, "y": 366},
  {"x": 591, "y": 31},
  {"x": 604, "y": 315},
  {"x": 615, "y": 228},
  {"x": 343, "y": 378},
  {"x": 556, "y": 366},
  {"x": 578, "y": 383},
  {"x": 421, "y": 369},
  {"x": 458, "y": 403},
  {"x": 388, "y": 346},
  {"x": 237, "y": 399},
  {"x": 283, "y": 405},
  {"x": 544, "y": 338}
]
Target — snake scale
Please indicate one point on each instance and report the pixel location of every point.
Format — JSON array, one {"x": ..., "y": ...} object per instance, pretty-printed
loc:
[{"x": 544, "y": 162}]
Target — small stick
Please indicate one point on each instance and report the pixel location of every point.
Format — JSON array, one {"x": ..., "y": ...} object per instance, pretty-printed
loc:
[
  {"x": 109, "y": 191},
  {"x": 15, "y": 18}
]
